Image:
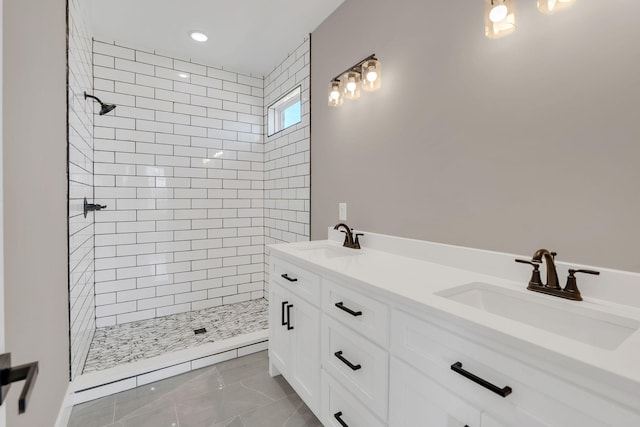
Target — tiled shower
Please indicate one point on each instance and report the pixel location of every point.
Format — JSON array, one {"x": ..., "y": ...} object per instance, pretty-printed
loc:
[
  {"x": 193, "y": 186},
  {"x": 181, "y": 165}
]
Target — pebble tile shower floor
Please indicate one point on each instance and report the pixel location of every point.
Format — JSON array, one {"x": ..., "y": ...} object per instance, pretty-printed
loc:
[
  {"x": 235, "y": 393},
  {"x": 129, "y": 342}
]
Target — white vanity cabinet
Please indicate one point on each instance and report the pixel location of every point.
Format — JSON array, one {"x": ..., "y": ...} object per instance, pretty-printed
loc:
[
  {"x": 506, "y": 391},
  {"x": 362, "y": 358},
  {"x": 294, "y": 330},
  {"x": 329, "y": 341}
]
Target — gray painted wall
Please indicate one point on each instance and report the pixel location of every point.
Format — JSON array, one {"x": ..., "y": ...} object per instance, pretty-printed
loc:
[
  {"x": 514, "y": 144},
  {"x": 35, "y": 203}
]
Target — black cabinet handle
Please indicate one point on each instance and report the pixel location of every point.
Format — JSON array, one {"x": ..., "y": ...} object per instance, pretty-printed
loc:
[
  {"x": 284, "y": 322},
  {"x": 504, "y": 392},
  {"x": 353, "y": 367},
  {"x": 338, "y": 416},
  {"x": 289, "y": 327},
  {"x": 341, "y": 306},
  {"x": 286, "y": 277}
]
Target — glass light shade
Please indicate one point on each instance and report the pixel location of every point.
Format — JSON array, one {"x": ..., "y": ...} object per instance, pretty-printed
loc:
[
  {"x": 371, "y": 75},
  {"x": 498, "y": 13},
  {"x": 351, "y": 83},
  {"x": 549, "y": 7},
  {"x": 499, "y": 18},
  {"x": 335, "y": 94}
]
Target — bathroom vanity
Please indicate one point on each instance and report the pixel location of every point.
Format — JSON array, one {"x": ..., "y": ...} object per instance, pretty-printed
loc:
[{"x": 406, "y": 333}]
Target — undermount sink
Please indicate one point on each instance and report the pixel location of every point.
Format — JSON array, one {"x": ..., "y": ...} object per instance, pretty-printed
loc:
[
  {"x": 568, "y": 319},
  {"x": 329, "y": 251}
]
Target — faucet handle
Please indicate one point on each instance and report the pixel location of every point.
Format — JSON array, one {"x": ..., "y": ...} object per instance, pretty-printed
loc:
[
  {"x": 535, "y": 264},
  {"x": 536, "y": 280},
  {"x": 572, "y": 284},
  {"x": 594, "y": 272},
  {"x": 356, "y": 242}
]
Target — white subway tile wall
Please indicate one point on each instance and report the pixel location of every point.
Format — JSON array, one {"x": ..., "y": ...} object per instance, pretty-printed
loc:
[
  {"x": 81, "y": 234},
  {"x": 180, "y": 163},
  {"x": 287, "y": 155}
]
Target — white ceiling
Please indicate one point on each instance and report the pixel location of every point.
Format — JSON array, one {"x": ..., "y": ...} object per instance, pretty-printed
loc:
[{"x": 251, "y": 36}]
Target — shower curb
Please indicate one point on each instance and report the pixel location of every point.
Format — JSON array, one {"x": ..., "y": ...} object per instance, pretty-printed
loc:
[{"x": 98, "y": 384}]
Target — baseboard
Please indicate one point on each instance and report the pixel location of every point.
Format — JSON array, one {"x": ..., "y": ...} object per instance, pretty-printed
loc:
[{"x": 65, "y": 410}]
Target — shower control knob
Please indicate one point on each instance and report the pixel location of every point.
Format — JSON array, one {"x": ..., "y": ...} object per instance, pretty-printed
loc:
[{"x": 88, "y": 207}]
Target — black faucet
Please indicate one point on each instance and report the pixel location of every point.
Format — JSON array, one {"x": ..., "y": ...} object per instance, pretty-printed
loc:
[
  {"x": 549, "y": 259},
  {"x": 552, "y": 287},
  {"x": 349, "y": 241}
]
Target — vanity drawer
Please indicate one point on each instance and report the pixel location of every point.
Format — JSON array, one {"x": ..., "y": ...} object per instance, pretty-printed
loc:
[
  {"x": 433, "y": 350},
  {"x": 363, "y": 314},
  {"x": 298, "y": 280},
  {"x": 337, "y": 401},
  {"x": 359, "y": 365},
  {"x": 417, "y": 401}
]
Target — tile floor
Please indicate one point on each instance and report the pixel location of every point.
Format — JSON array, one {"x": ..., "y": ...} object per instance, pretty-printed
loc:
[
  {"x": 235, "y": 393},
  {"x": 129, "y": 342}
]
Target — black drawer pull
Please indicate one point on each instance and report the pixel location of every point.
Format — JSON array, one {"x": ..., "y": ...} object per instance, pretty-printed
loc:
[
  {"x": 341, "y": 306},
  {"x": 338, "y": 416},
  {"x": 504, "y": 392},
  {"x": 338, "y": 354},
  {"x": 286, "y": 276},
  {"x": 289, "y": 327},
  {"x": 284, "y": 322}
]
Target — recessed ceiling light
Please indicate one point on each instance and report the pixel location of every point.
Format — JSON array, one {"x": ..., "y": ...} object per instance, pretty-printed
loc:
[{"x": 199, "y": 37}]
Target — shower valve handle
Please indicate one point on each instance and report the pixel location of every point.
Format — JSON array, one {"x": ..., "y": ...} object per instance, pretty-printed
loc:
[
  {"x": 95, "y": 207},
  {"x": 88, "y": 207}
]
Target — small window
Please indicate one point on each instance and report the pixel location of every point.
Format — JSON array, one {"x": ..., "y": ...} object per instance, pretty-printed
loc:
[{"x": 285, "y": 112}]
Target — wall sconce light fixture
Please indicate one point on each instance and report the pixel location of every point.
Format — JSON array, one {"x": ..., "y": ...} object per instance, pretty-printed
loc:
[
  {"x": 499, "y": 18},
  {"x": 352, "y": 83},
  {"x": 363, "y": 75},
  {"x": 500, "y": 15},
  {"x": 549, "y": 7},
  {"x": 336, "y": 97}
]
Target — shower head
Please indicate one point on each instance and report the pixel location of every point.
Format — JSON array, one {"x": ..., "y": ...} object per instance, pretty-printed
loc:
[{"x": 104, "y": 108}]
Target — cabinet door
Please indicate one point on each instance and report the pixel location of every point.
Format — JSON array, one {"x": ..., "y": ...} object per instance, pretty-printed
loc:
[
  {"x": 418, "y": 401},
  {"x": 279, "y": 334},
  {"x": 305, "y": 347}
]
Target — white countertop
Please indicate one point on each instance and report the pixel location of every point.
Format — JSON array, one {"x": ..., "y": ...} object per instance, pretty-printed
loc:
[{"x": 417, "y": 281}]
